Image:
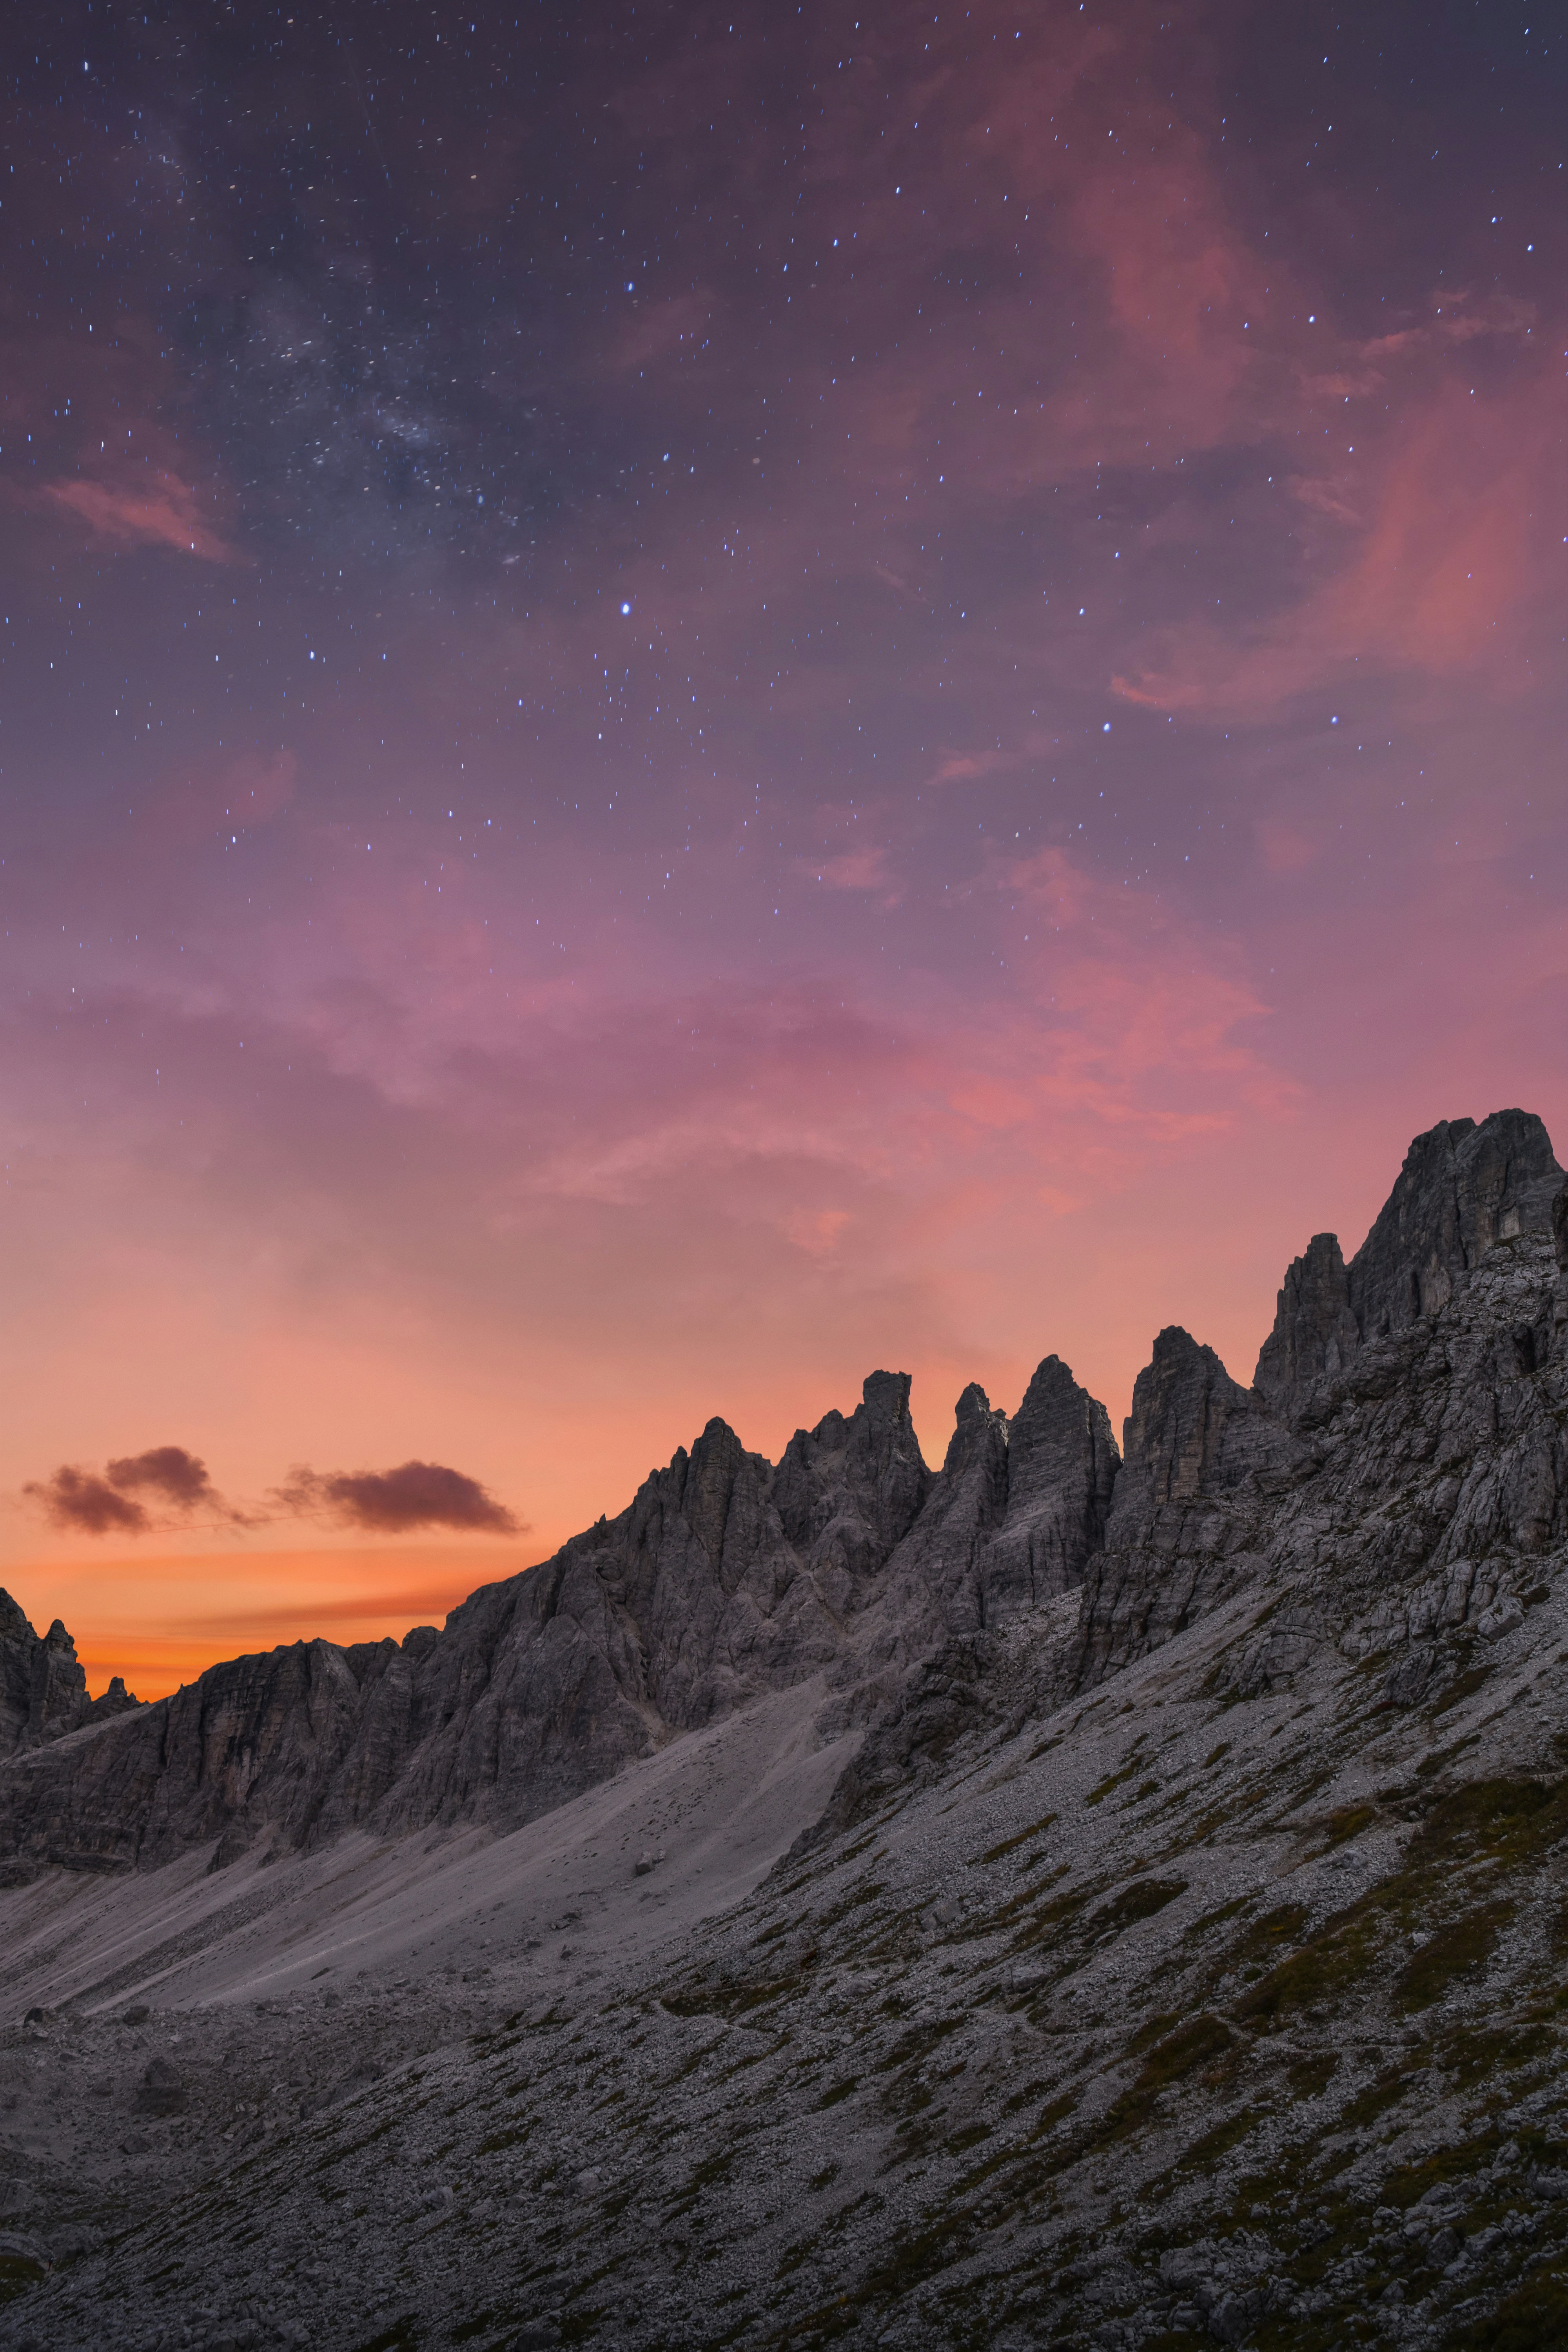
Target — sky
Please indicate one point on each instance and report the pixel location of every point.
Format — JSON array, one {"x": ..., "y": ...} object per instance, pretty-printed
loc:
[{"x": 695, "y": 700}]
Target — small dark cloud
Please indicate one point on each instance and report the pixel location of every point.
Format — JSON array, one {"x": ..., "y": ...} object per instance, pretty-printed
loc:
[
  {"x": 81, "y": 1499},
  {"x": 180, "y": 1479},
  {"x": 414, "y": 1495},
  {"x": 115, "y": 1500}
]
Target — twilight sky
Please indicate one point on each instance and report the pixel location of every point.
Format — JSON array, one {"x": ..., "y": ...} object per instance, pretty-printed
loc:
[{"x": 693, "y": 698}]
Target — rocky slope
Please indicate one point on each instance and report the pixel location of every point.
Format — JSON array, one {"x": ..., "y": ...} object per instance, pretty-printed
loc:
[{"x": 1170, "y": 1949}]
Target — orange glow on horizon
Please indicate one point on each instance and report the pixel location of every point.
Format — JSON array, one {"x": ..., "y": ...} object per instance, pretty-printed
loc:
[{"x": 162, "y": 1622}]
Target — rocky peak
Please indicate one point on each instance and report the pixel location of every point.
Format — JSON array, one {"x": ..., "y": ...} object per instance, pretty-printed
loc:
[
  {"x": 1462, "y": 1189},
  {"x": 848, "y": 1491},
  {"x": 1061, "y": 1471},
  {"x": 717, "y": 1461},
  {"x": 1060, "y": 1442},
  {"x": 1314, "y": 1331},
  {"x": 43, "y": 1685},
  {"x": 727, "y": 1577},
  {"x": 43, "y": 1689},
  {"x": 978, "y": 1432},
  {"x": 1174, "y": 1440}
]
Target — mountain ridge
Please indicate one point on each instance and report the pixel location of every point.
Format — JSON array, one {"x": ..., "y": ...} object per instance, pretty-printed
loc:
[{"x": 728, "y": 1576}]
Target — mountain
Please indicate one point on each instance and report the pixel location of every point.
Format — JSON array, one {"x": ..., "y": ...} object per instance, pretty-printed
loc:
[
  {"x": 1062, "y": 1899},
  {"x": 725, "y": 1577}
]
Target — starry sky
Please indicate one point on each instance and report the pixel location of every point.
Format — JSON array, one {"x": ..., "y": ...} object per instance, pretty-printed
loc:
[{"x": 695, "y": 699}]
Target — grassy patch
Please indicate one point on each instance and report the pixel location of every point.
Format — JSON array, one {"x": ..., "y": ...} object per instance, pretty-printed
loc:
[
  {"x": 866, "y": 1892},
  {"x": 1114, "y": 1781},
  {"x": 1203, "y": 2043},
  {"x": 1325, "y": 1965},
  {"x": 1437, "y": 1759},
  {"x": 713, "y": 2170},
  {"x": 1463, "y": 1687},
  {"x": 1512, "y": 1820},
  {"x": 1479, "y": 2056},
  {"x": 839, "y": 2090},
  {"x": 1140, "y": 1900},
  {"x": 1368, "y": 2104},
  {"x": 995, "y": 1853},
  {"x": 1464, "y": 1944},
  {"x": 1345, "y": 1822},
  {"x": 1534, "y": 2316},
  {"x": 1056, "y": 2111},
  {"x": 1269, "y": 1936},
  {"x": 1310, "y": 2077},
  {"x": 1042, "y": 1923},
  {"x": 1215, "y": 1919},
  {"x": 17, "y": 2274},
  {"x": 1208, "y": 2151}
]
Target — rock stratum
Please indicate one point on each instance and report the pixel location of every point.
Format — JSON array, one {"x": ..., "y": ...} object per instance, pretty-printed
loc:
[{"x": 1061, "y": 1898}]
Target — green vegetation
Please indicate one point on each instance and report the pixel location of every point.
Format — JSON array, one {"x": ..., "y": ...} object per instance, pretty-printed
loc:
[
  {"x": 1215, "y": 1919},
  {"x": 1346, "y": 1821},
  {"x": 1203, "y": 2042},
  {"x": 1533, "y": 2317},
  {"x": 995, "y": 1853},
  {"x": 1475, "y": 2056},
  {"x": 1510, "y": 1821},
  {"x": 1461, "y": 1687},
  {"x": 1265, "y": 1937},
  {"x": 16, "y": 2274},
  {"x": 1138, "y": 1900},
  {"x": 1464, "y": 1944},
  {"x": 1368, "y": 2104},
  {"x": 1308, "y": 2077},
  {"x": 1204, "y": 2152},
  {"x": 1113, "y": 1780},
  {"x": 1325, "y": 1965}
]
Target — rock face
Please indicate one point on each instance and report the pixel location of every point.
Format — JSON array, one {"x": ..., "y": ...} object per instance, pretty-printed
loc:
[
  {"x": 1201, "y": 1455},
  {"x": 43, "y": 1686},
  {"x": 1315, "y": 1331},
  {"x": 1404, "y": 1436},
  {"x": 724, "y": 1578},
  {"x": 1462, "y": 1189}
]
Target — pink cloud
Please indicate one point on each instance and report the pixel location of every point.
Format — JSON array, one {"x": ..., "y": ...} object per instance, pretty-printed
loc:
[
  {"x": 1448, "y": 567},
  {"x": 160, "y": 512}
]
